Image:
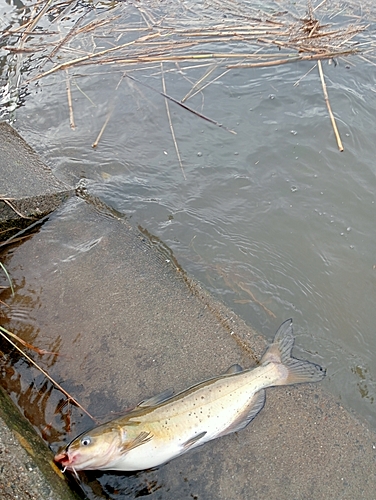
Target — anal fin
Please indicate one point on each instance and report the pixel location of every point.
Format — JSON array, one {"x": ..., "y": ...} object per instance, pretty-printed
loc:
[
  {"x": 247, "y": 415},
  {"x": 193, "y": 440}
]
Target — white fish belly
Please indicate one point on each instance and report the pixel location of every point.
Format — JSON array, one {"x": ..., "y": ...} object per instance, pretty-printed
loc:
[{"x": 147, "y": 456}]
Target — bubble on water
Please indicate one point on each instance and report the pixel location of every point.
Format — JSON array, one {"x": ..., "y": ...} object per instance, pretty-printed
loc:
[
  {"x": 199, "y": 154},
  {"x": 293, "y": 132},
  {"x": 348, "y": 229}
]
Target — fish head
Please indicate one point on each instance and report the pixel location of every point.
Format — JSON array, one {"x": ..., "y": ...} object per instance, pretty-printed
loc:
[{"x": 94, "y": 449}]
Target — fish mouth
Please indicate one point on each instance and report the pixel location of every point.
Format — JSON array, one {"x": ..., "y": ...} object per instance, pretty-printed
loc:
[
  {"x": 63, "y": 459},
  {"x": 74, "y": 462}
]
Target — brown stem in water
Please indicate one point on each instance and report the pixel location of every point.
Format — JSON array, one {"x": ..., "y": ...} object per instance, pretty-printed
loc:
[{"x": 3, "y": 331}]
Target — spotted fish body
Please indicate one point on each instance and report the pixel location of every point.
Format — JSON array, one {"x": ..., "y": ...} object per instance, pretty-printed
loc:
[{"x": 167, "y": 426}]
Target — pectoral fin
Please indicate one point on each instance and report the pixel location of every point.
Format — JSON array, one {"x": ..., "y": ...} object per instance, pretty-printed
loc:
[
  {"x": 193, "y": 440},
  {"x": 142, "y": 438},
  {"x": 243, "y": 419}
]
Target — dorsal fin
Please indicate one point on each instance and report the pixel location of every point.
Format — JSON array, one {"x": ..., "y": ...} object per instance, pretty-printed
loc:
[
  {"x": 156, "y": 400},
  {"x": 234, "y": 369}
]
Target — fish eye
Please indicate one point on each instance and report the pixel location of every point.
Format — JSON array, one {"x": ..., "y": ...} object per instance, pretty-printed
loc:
[{"x": 85, "y": 441}]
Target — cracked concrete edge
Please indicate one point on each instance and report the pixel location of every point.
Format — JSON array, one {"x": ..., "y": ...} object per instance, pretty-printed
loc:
[
  {"x": 29, "y": 190},
  {"x": 26, "y": 466}
]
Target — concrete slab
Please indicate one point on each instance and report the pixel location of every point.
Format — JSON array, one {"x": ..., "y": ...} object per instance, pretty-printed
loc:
[
  {"x": 127, "y": 324},
  {"x": 28, "y": 189}
]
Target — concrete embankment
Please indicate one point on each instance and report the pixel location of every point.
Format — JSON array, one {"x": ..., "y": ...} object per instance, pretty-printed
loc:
[{"x": 28, "y": 192}]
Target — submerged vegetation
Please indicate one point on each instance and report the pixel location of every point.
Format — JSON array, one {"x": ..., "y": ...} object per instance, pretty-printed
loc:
[{"x": 8, "y": 277}]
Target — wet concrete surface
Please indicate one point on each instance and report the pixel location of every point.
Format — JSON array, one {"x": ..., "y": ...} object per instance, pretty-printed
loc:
[
  {"x": 127, "y": 324},
  {"x": 28, "y": 189}
]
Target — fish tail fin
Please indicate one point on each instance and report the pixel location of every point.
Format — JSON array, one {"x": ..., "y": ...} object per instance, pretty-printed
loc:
[{"x": 293, "y": 371}]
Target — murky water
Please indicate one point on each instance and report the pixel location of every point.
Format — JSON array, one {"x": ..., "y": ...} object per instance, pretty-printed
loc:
[{"x": 273, "y": 220}]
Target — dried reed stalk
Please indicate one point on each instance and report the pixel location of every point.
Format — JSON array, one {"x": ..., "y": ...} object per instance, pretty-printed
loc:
[
  {"x": 87, "y": 57},
  {"x": 96, "y": 142},
  {"x": 332, "y": 119},
  {"x": 69, "y": 97},
  {"x": 10, "y": 205},
  {"x": 170, "y": 124}
]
